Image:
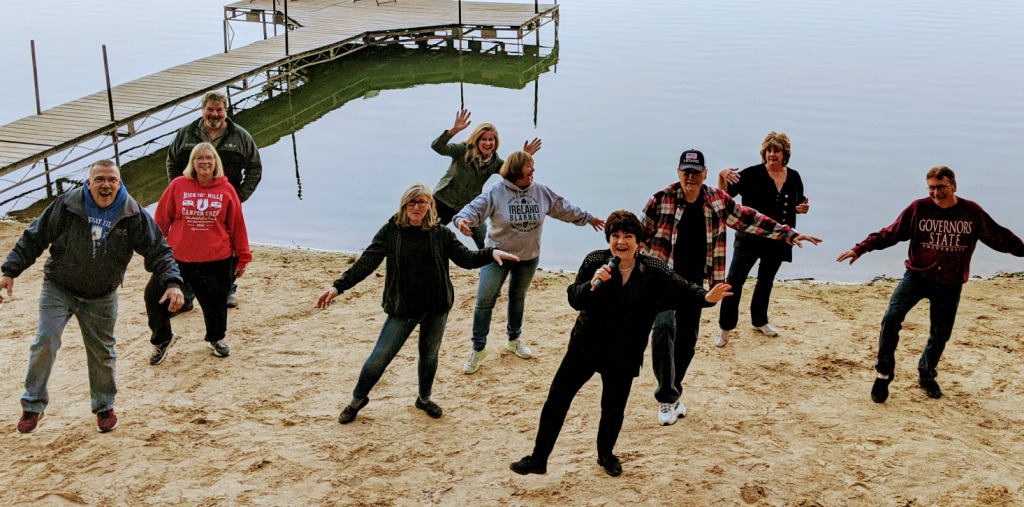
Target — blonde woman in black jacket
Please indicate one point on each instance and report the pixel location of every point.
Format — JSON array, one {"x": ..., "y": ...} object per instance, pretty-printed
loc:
[{"x": 417, "y": 291}]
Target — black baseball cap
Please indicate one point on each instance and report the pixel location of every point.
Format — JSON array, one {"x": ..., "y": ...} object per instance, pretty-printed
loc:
[{"x": 692, "y": 159}]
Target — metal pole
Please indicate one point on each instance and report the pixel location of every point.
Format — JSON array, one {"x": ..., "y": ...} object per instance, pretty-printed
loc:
[
  {"x": 35, "y": 76},
  {"x": 536, "y": 7},
  {"x": 110, "y": 104},
  {"x": 39, "y": 110},
  {"x": 287, "y": 50},
  {"x": 225, "y": 29}
]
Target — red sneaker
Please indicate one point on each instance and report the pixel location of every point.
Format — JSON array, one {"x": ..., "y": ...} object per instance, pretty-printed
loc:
[
  {"x": 106, "y": 420},
  {"x": 29, "y": 421}
]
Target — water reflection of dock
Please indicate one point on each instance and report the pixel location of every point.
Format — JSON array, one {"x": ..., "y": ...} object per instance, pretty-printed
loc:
[
  {"x": 329, "y": 87},
  {"x": 319, "y": 31}
]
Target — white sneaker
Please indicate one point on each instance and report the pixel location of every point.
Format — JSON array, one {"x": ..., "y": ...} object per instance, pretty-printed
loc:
[
  {"x": 767, "y": 329},
  {"x": 667, "y": 413},
  {"x": 473, "y": 363},
  {"x": 519, "y": 348},
  {"x": 680, "y": 409},
  {"x": 724, "y": 337}
]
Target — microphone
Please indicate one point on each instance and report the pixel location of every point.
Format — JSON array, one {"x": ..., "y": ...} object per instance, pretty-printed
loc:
[{"x": 612, "y": 264}]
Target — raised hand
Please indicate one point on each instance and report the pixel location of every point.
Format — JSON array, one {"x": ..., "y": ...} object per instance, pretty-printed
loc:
[
  {"x": 461, "y": 122},
  {"x": 532, "y": 147}
]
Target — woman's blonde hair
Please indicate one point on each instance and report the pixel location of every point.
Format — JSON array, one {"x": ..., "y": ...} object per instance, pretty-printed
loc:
[
  {"x": 410, "y": 194},
  {"x": 472, "y": 152},
  {"x": 190, "y": 171},
  {"x": 512, "y": 169},
  {"x": 777, "y": 140}
]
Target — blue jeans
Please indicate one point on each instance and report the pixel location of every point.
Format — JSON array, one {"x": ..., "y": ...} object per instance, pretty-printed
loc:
[
  {"x": 742, "y": 262},
  {"x": 492, "y": 277},
  {"x": 96, "y": 318},
  {"x": 945, "y": 299},
  {"x": 392, "y": 336}
]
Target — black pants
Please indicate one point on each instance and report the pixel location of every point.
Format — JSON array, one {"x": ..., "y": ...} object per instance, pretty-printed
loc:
[
  {"x": 575, "y": 371},
  {"x": 743, "y": 260},
  {"x": 210, "y": 281},
  {"x": 673, "y": 342}
]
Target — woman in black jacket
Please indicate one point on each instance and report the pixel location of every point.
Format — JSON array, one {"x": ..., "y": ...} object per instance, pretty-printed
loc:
[
  {"x": 417, "y": 290},
  {"x": 610, "y": 336}
]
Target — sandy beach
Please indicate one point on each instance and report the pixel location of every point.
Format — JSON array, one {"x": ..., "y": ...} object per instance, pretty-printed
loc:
[{"x": 772, "y": 421}]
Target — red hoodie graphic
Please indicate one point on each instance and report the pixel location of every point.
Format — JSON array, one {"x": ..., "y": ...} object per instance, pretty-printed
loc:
[{"x": 203, "y": 223}]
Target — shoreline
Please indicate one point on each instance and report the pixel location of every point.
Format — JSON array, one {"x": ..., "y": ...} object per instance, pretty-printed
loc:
[{"x": 771, "y": 421}]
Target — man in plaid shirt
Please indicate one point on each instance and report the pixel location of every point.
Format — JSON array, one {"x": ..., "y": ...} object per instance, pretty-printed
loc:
[{"x": 691, "y": 240}]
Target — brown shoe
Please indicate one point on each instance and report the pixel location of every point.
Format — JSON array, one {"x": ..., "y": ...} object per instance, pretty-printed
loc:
[
  {"x": 29, "y": 421},
  {"x": 106, "y": 421}
]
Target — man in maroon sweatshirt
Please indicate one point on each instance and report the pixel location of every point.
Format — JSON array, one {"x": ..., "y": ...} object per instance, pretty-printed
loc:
[{"x": 943, "y": 231}]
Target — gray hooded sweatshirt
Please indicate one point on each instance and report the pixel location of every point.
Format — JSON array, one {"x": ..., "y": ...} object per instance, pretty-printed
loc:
[{"x": 517, "y": 216}]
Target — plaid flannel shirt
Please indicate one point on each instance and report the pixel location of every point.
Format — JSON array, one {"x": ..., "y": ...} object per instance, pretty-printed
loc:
[{"x": 664, "y": 210}]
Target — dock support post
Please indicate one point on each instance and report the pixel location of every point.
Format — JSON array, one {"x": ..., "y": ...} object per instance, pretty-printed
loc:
[
  {"x": 110, "y": 104},
  {"x": 39, "y": 110},
  {"x": 287, "y": 50}
]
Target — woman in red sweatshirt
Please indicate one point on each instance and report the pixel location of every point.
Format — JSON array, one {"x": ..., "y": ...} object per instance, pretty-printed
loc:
[{"x": 201, "y": 216}]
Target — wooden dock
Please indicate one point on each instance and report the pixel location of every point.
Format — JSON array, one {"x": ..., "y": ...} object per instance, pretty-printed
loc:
[{"x": 322, "y": 31}]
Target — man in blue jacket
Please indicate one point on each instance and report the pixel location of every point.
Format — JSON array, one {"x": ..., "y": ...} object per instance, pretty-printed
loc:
[{"x": 91, "y": 233}]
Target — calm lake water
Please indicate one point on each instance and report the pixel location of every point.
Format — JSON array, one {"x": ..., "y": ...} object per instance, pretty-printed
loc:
[{"x": 872, "y": 93}]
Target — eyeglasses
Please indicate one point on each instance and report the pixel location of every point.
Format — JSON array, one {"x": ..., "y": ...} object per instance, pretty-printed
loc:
[
  {"x": 691, "y": 172},
  {"x": 936, "y": 188},
  {"x": 417, "y": 202}
]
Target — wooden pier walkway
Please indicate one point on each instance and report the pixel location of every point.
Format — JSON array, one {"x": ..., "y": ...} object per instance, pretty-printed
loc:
[{"x": 326, "y": 29}]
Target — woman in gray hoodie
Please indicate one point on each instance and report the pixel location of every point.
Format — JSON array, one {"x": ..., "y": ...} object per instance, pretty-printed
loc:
[{"x": 516, "y": 207}]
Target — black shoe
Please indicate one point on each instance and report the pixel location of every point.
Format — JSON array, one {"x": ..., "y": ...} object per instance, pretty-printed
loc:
[
  {"x": 160, "y": 351},
  {"x": 611, "y": 464},
  {"x": 187, "y": 307},
  {"x": 931, "y": 388},
  {"x": 429, "y": 407},
  {"x": 880, "y": 391},
  {"x": 529, "y": 465},
  {"x": 349, "y": 414},
  {"x": 220, "y": 348}
]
